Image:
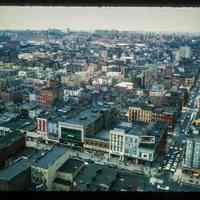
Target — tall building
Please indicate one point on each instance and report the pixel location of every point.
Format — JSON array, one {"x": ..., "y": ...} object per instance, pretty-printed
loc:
[
  {"x": 192, "y": 154},
  {"x": 148, "y": 75},
  {"x": 183, "y": 52},
  {"x": 197, "y": 102}
]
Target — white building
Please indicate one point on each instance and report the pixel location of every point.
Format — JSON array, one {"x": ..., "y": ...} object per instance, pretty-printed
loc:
[
  {"x": 71, "y": 92},
  {"x": 22, "y": 74},
  {"x": 137, "y": 141}
]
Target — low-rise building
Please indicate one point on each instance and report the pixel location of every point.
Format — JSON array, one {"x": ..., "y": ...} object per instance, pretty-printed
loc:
[
  {"x": 43, "y": 171},
  {"x": 17, "y": 176},
  {"x": 146, "y": 112},
  {"x": 10, "y": 144},
  {"x": 71, "y": 92},
  {"x": 95, "y": 177},
  {"x": 74, "y": 130},
  {"x": 66, "y": 174},
  {"x": 140, "y": 141}
]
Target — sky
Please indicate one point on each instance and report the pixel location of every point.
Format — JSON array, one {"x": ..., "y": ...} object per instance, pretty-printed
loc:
[{"x": 91, "y": 18}]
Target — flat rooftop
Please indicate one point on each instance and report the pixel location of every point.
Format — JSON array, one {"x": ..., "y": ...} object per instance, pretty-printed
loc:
[
  {"x": 142, "y": 128},
  {"x": 86, "y": 117},
  {"x": 103, "y": 135},
  {"x": 71, "y": 165},
  {"x": 21, "y": 124},
  {"x": 9, "y": 139},
  {"x": 7, "y": 117},
  {"x": 15, "y": 169},
  {"x": 94, "y": 177},
  {"x": 19, "y": 164},
  {"x": 50, "y": 157}
]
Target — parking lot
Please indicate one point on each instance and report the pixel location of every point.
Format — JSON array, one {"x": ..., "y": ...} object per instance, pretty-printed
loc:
[{"x": 172, "y": 159}]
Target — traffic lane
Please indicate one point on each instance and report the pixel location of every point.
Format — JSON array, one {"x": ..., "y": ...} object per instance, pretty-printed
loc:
[{"x": 171, "y": 160}]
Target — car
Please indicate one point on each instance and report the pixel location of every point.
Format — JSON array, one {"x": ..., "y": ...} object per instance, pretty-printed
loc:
[
  {"x": 170, "y": 161},
  {"x": 167, "y": 167},
  {"x": 172, "y": 170},
  {"x": 164, "y": 162},
  {"x": 162, "y": 187},
  {"x": 173, "y": 156},
  {"x": 178, "y": 155},
  {"x": 177, "y": 159},
  {"x": 176, "y": 152}
]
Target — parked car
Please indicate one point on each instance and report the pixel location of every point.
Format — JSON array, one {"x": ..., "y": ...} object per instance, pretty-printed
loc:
[
  {"x": 162, "y": 187},
  {"x": 172, "y": 170}
]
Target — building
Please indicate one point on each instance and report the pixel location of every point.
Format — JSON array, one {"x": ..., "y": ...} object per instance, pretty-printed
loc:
[
  {"x": 151, "y": 113},
  {"x": 196, "y": 121},
  {"x": 100, "y": 142},
  {"x": 184, "y": 77},
  {"x": 95, "y": 177},
  {"x": 157, "y": 90},
  {"x": 66, "y": 174},
  {"x": 125, "y": 86},
  {"x": 197, "y": 102},
  {"x": 74, "y": 130},
  {"x": 192, "y": 153},
  {"x": 148, "y": 75},
  {"x": 17, "y": 176},
  {"x": 183, "y": 52},
  {"x": 46, "y": 97},
  {"x": 10, "y": 144},
  {"x": 43, "y": 171},
  {"x": 71, "y": 92},
  {"x": 140, "y": 141},
  {"x": 49, "y": 93},
  {"x": 42, "y": 127}
]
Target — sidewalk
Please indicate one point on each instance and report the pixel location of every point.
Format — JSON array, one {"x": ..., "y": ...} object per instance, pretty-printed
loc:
[{"x": 103, "y": 160}]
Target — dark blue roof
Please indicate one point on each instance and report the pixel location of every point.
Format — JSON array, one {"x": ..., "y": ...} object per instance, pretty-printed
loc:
[
  {"x": 50, "y": 157},
  {"x": 15, "y": 169}
]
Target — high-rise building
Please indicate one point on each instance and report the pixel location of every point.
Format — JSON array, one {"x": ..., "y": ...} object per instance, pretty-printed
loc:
[
  {"x": 183, "y": 52},
  {"x": 192, "y": 154}
]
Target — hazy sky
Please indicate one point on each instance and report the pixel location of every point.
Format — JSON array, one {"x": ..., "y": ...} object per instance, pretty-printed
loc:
[{"x": 90, "y": 18}]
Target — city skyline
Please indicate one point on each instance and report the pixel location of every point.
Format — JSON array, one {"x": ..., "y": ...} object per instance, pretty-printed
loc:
[{"x": 90, "y": 18}]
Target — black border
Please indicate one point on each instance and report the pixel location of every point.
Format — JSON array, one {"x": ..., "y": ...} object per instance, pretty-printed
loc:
[
  {"x": 156, "y": 3},
  {"x": 135, "y": 3}
]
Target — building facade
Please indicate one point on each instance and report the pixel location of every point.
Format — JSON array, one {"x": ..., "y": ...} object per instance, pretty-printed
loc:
[
  {"x": 135, "y": 142},
  {"x": 149, "y": 114},
  {"x": 192, "y": 153}
]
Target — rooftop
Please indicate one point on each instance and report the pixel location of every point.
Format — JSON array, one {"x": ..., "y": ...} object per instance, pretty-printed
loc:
[
  {"x": 86, "y": 117},
  {"x": 7, "y": 117},
  {"x": 10, "y": 139},
  {"x": 14, "y": 170},
  {"x": 19, "y": 164},
  {"x": 50, "y": 157},
  {"x": 25, "y": 124},
  {"x": 71, "y": 166},
  {"x": 103, "y": 178},
  {"x": 102, "y": 135},
  {"x": 142, "y": 128}
]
